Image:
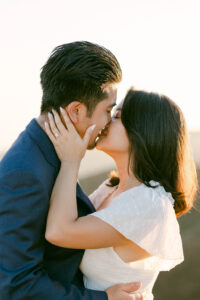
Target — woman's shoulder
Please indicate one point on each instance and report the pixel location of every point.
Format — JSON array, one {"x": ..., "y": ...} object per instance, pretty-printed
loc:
[
  {"x": 144, "y": 198},
  {"x": 160, "y": 192},
  {"x": 145, "y": 215}
]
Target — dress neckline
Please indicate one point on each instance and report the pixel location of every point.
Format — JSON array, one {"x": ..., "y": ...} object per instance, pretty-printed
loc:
[{"x": 112, "y": 191}]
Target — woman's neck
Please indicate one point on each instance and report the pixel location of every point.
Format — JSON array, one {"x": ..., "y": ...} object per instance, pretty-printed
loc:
[{"x": 127, "y": 179}]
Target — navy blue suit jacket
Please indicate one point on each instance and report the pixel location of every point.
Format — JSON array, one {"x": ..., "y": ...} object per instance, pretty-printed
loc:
[{"x": 30, "y": 267}]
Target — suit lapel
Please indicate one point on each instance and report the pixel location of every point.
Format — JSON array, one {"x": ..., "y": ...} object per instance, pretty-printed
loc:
[{"x": 84, "y": 197}]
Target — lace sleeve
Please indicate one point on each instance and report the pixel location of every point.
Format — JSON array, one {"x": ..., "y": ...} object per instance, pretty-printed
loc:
[{"x": 146, "y": 217}]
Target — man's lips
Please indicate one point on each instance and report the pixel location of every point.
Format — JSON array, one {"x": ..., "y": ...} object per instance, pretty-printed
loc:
[{"x": 103, "y": 132}]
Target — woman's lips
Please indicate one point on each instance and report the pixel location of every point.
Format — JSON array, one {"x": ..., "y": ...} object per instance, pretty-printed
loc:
[{"x": 103, "y": 132}]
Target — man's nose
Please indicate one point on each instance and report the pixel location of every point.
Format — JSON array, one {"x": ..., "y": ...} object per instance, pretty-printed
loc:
[
  {"x": 109, "y": 118},
  {"x": 108, "y": 124}
]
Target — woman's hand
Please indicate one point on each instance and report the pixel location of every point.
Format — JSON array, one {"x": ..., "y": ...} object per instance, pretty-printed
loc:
[{"x": 70, "y": 147}]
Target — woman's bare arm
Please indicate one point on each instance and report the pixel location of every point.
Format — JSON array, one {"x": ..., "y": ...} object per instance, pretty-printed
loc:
[{"x": 64, "y": 228}]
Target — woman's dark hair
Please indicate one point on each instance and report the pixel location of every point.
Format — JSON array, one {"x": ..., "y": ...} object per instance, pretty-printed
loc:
[
  {"x": 159, "y": 146},
  {"x": 76, "y": 72}
]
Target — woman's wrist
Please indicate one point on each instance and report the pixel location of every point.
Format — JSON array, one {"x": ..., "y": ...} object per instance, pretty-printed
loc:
[{"x": 67, "y": 164}]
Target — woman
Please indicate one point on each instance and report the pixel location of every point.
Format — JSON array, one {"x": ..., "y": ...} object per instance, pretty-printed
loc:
[{"x": 134, "y": 234}]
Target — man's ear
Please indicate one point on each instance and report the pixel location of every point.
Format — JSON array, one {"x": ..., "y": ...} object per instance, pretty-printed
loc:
[{"x": 76, "y": 110}]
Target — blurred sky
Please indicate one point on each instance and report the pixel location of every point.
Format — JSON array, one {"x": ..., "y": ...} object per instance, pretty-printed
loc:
[{"x": 157, "y": 43}]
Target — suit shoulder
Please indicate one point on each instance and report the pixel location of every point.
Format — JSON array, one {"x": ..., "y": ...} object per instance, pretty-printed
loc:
[{"x": 23, "y": 154}]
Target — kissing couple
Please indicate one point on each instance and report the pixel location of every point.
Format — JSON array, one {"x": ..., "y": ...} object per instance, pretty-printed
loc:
[{"x": 57, "y": 243}]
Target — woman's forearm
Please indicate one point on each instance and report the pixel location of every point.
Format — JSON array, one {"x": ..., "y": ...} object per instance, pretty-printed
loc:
[
  {"x": 70, "y": 148},
  {"x": 63, "y": 207}
]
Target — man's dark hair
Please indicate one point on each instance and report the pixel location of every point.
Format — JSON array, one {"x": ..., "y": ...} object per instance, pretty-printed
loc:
[{"x": 76, "y": 72}]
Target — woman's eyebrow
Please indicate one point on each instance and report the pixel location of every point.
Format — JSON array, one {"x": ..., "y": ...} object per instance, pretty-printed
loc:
[{"x": 116, "y": 111}]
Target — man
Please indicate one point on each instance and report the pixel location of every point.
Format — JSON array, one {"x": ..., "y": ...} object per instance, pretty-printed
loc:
[{"x": 82, "y": 78}]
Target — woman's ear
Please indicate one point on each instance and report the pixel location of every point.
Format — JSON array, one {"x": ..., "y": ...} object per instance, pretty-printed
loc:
[{"x": 74, "y": 110}]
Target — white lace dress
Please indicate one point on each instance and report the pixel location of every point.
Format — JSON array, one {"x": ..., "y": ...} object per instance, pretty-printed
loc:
[{"x": 145, "y": 216}]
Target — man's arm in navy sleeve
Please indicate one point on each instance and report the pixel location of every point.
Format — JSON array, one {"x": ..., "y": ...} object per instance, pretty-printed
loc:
[{"x": 23, "y": 209}]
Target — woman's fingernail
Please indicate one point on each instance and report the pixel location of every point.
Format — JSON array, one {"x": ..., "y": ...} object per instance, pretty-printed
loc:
[
  {"x": 137, "y": 284},
  {"x": 62, "y": 110},
  {"x": 93, "y": 126},
  {"x": 45, "y": 124},
  {"x": 49, "y": 114}
]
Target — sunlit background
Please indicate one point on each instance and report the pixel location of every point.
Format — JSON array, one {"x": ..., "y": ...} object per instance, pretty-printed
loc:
[{"x": 157, "y": 44}]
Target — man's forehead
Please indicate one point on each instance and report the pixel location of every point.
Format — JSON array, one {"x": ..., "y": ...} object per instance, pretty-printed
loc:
[
  {"x": 109, "y": 87},
  {"x": 110, "y": 94},
  {"x": 110, "y": 90}
]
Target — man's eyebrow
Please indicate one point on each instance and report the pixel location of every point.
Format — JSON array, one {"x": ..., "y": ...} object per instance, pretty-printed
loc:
[{"x": 112, "y": 105}]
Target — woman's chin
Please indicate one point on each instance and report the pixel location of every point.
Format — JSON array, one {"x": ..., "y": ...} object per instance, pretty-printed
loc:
[{"x": 100, "y": 144}]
